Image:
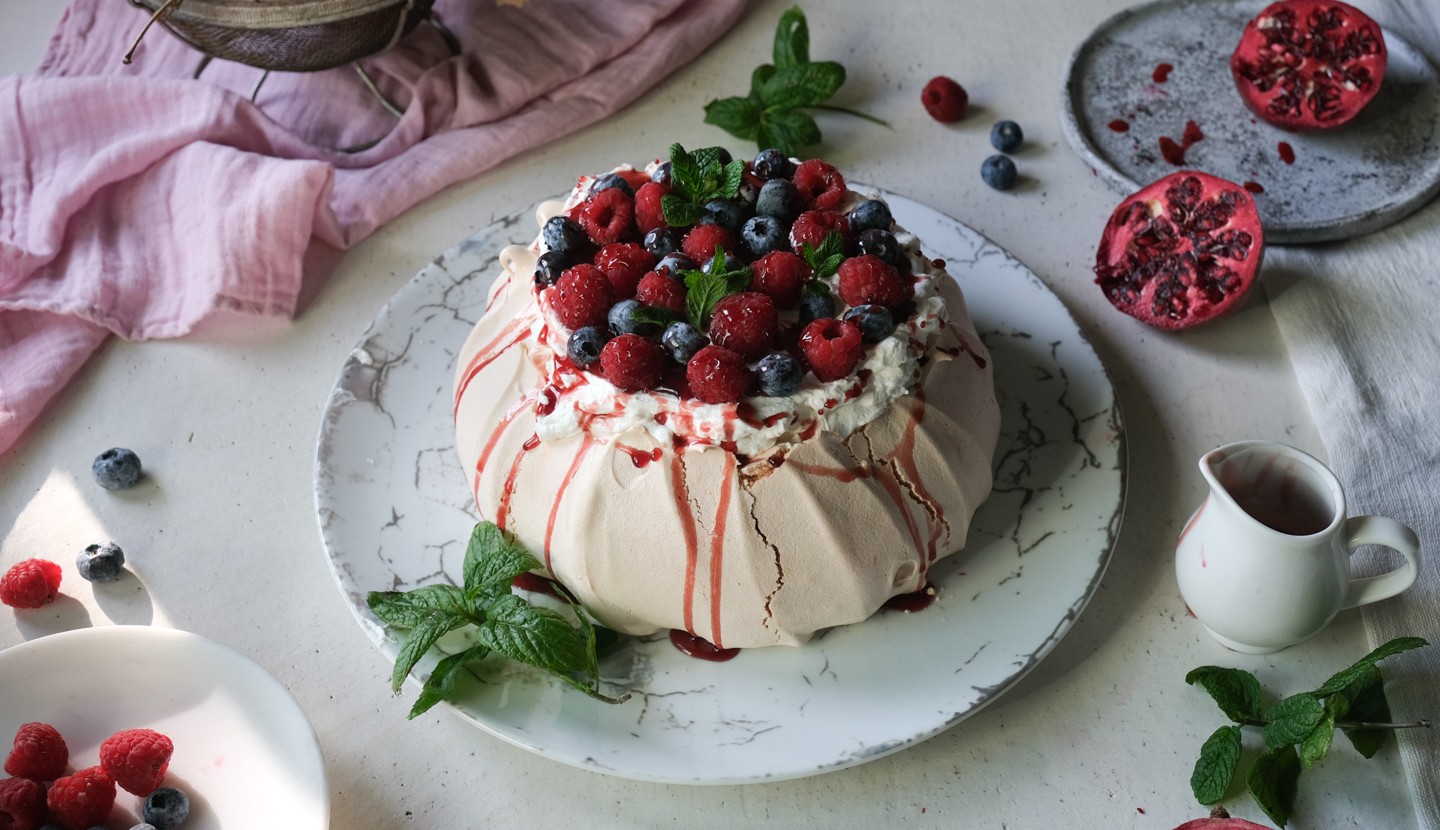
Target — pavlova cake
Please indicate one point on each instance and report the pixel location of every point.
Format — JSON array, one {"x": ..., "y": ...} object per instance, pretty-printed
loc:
[{"x": 729, "y": 398}]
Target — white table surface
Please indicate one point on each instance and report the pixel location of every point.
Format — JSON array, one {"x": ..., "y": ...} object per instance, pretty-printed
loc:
[{"x": 223, "y": 538}]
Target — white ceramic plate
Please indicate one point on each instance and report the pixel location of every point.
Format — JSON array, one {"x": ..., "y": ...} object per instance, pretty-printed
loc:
[
  {"x": 1342, "y": 183},
  {"x": 245, "y": 753},
  {"x": 395, "y": 512}
]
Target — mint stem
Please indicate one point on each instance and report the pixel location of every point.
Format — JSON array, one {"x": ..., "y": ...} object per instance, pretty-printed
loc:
[
  {"x": 857, "y": 113},
  {"x": 1423, "y": 723}
]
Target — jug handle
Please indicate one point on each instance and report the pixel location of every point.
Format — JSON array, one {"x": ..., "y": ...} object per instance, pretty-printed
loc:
[{"x": 1379, "y": 530}]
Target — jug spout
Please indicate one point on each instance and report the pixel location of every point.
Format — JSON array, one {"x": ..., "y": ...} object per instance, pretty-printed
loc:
[{"x": 1275, "y": 486}]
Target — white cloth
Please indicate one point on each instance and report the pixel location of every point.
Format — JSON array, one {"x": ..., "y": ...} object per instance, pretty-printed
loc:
[{"x": 1361, "y": 321}]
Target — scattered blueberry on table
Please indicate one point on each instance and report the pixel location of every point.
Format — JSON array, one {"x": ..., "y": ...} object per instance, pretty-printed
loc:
[
  {"x": 1006, "y": 136},
  {"x": 101, "y": 563},
  {"x": 117, "y": 469},
  {"x": 999, "y": 172}
]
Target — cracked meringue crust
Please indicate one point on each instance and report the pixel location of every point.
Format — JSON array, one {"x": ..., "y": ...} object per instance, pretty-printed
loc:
[{"x": 653, "y": 529}]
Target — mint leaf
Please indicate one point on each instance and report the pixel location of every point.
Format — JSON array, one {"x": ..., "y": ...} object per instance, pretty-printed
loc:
[
  {"x": 535, "y": 635},
  {"x": 1216, "y": 766},
  {"x": 1291, "y": 719},
  {"x": 442, "y": 680},
  {"x": 1346, "y": 677},
  {"x": 1273, "y": 780},
  {"x": 737, "y": 116},
  {"x": 1237, "y": 692},
  {"x": 806, "y": 85},
  {"x": 661, "y": 317},
  {"x": 410, "y": 608},
  {"x": 685, "y": 172},
  {"x": 734, "y": 176},
  {"x": 1317, "y": 743},
  {"x": 817, "y": 288},
  {"x": 678, "y": 212},
  {"x": 1368, "y": 705},
  {"x": 492, "y": 561},
  {"x": 792, "y": 39},
  {"x": 763, "y": 73},
  {"x": 825, "y": 260},
  {"x": 787, "y": 130},
  {"x": 421, "y": 637},
  {"x": 696, "y": 178}
]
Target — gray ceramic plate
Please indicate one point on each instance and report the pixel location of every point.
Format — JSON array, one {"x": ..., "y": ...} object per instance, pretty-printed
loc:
[{"x": 1365, "y": 176}]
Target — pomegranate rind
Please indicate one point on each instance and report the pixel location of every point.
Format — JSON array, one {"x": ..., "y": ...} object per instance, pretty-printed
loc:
[
  {"x": 1182, "y": 251},
  {"x": 1309, "y": 64},
  {"x": 1221, "y": 824}
]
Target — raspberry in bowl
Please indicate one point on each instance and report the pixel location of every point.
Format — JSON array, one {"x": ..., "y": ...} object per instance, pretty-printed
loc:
[{"x": 783, "y": 439}]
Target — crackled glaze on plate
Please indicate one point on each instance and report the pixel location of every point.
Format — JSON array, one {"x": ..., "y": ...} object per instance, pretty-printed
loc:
[
  {"x": 245, "y": 753},
  {"x": 395, "y": 512},
  {"x": 1360, "y": 178}
]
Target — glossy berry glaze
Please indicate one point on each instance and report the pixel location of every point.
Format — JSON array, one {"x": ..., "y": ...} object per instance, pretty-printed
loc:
[{"x": 742, "y": 524}]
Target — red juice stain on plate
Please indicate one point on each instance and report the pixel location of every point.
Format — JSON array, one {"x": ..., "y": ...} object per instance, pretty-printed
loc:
[
  {"x": 1120, "y": 125},
  {"x": 1287, "y": 153},
  {"x": 1162, "y": 73},
  {"x": 913, "y": 601},
  {"x": 700, "y": 648},
  {"x": 1175, "y": 153},
  {"x": 1254, "y": 187}
]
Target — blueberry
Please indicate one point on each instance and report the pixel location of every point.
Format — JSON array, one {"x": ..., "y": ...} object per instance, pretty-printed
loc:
[
  {"x": 166, "y": 808},
  {"x": 101, "y": 563},
  {"x": 778, "y": 198},
  {"x": 622, "y": 319},
  {"x": 1006, "y": 136},
  {"x": 882, "y": 244},
  {"x": 998, "y": 172},
  {"x": 816, "y": 307},
  {"x": 763, "y": 234},
  {"x": 144, "y": 825},
  {"x": 731, "y": 263},
  {"x": 585, "y": 345},
  {"x": 673, "y": 265},
  {"x": 611, "y": 181},
  {"x": 779, "y": 374},
  {"x": 876, "y": 322},
  {"x": 682, "y": 341},
  {"x": 661, "y": 173},
  {"x": 662, "y": 242},
  {"x": 549, "y": 267},
  {"x": 116, "y": 469},
  {"x": 563, "y": 234},
  {"x": 725, "y": 213},
  {"x": 871, "y": 214},
  {"x": 772, "y": 164}
]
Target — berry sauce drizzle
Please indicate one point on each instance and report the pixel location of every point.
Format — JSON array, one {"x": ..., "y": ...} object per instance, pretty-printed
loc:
[
  {"x": 913, "y": 601},
  {"x": 700, "y": 648},
  {"x": 539, "y": 584}
]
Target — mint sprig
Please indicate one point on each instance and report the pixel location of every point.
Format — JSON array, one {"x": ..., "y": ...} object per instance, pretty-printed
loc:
[
  {"x": 1298, "y": 730},
  {"x": 505, "y": 623},
  {"x": 825, "y": 260},
  {"x": 772, "y": 114},
  {"x": 696, "y": 178},
  {"x": 704, "y": 289}
]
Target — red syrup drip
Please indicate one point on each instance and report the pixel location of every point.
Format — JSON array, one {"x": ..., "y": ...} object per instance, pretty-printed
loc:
[
  {"x": 505, "y": 421},
  {"x": 1254, "y": 187},
  {"x": 687, "y": 528},
  {"x": 540, "y": 584},
  {"x": 531, "y": 443},
  {"x": 700, "y": 648},
  {"x": 844, "y": 475},
  {"x": 585, "y": 444},
  {"x": 487, "y": 354},
  {"x": 938, "y": 263},
  {"x": 1287, "y": 153},
  {"x": 904, "y": 455},
  {"x": 1175, "y": 153},
  {"x": 640, "y": 458},
  {"x": 1162, "y": 73},
  {"x": 913, "y": 601},
  {"x": 717, "y": 546},
  {"x": 1120, "y": 125},
  {"x": 507, "y": 492}
]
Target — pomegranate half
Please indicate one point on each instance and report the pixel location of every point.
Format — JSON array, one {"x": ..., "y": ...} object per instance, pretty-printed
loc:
[
  {"x": 1182, "y": 251},
  {"x": 1220, "y": 820},
  {"x": 1309, "y": 64}
]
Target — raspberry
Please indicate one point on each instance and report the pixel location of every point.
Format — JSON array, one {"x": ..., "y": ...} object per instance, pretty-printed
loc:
[
  {"x": 870, "y": 280},
  {"x": 944, "y": 99},
  {"x": 745, "y": 323},
  {"x": 632, "y": 362},
  {"x": 717, "y": 375},
  {"x": 30, "y": 584},
  {"x": 648, "y": 213},
  {"x": 821, "y": 186},
  {"x": 701, "y": 241},
  {"x": 607, "y": 216},
  {"x": 82, "y": 800},
  {"x": 581, "y": 296},
  {"x": 40, "y": 753},
  {"x": 659, "y": 291},
  {"x": 136, "y": 759},
  {"x": 22, "y": 804},
  {"x": 624, "y": 263},
  {"x": 831, "y": 347},
  {"x": 812, "y": 226},
  {"x": 782, "y": 276}
]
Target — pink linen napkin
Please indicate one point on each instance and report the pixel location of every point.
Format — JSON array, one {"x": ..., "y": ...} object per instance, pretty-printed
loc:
[{"x": 137, "y": 201}]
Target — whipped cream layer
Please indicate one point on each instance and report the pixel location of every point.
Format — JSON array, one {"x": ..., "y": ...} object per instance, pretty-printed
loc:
[{"x": 747, "y": 524}]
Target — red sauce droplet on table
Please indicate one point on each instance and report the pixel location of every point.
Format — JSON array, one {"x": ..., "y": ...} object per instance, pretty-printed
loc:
[
  {"x": 699, "y": 647},
  {"x": 913, "y": 601},
  {"x": 1162, "y": 73},
  {"x": 1287, "y": 153},
  {"x": 1254, "y": 187},
  {"x": 1175, "y": 153},
  {"x": 1120, "y": 125}
]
